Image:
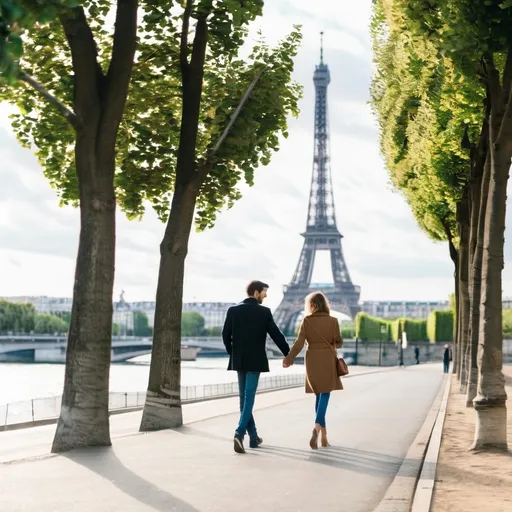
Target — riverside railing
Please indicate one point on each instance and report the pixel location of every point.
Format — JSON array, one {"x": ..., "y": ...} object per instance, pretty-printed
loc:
[{"x": 39, "y": 410}]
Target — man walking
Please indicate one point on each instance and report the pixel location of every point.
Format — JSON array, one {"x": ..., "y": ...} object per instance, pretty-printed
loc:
[
  {"x": 417, "y": 354},
  {"x": 244, "y": 334},
  {"x": 447, "y": 357}
]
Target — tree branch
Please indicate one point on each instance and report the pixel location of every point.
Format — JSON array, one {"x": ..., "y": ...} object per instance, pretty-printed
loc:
[
  {"x": 121, "y": 64},
  {"x": 192, "y": 82},
  {"x": 454, "y": 255},
  {"x": 506, "y": 123},
  {"x": 68, "y": 114},
  {"x": 507, "y": 72},
  {"x": 479, "y": 156},
  {"x": 88, "y": 74},
  {"x": 207, "y": 166},
  {"x": 199, "y": 46},
  {"x": 237, "y": 111},
  {"x": 184, "y": 40},
  {"x": 493, "y": 79}
]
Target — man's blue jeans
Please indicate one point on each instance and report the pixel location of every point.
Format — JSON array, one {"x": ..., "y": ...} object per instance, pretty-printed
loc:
[
  {"x": 322, "y": 401},
  {"x": 247, "y": 386}
]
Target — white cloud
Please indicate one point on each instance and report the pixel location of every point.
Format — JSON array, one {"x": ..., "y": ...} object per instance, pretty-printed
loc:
[{"x": 387, "y": 254}]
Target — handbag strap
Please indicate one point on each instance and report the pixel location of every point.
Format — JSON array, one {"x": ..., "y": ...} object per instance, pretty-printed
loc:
[{"x": 330, "y": 345}]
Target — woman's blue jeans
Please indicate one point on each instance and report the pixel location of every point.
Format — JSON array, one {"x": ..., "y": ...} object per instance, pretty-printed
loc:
[{"x": 322, "y": 401}]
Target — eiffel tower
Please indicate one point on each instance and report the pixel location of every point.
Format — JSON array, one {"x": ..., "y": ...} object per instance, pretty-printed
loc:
[{"x": 321, "y": 233}]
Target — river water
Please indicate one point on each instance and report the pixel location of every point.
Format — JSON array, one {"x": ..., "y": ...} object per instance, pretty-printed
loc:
[{"x": 19, "y": 382}]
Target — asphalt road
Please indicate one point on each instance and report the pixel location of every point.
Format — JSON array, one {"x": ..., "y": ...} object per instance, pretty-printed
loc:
[{"x": 371, "y": 425}]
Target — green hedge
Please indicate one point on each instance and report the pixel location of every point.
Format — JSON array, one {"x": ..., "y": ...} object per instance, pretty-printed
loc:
[
  {"x": 368, "y": 328},
  {"x": 440, "y": 326},
  {"x": 507, "y": 323}
]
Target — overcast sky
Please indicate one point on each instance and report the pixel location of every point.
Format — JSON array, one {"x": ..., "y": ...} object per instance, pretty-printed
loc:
[{"x": 259, "y": 238}]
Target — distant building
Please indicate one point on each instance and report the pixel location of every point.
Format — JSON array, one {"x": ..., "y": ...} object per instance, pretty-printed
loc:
[
  {"x": 407, "y": 309},
  {"x": 44, "y": 304},
  {"x": 214, "y": 313}
]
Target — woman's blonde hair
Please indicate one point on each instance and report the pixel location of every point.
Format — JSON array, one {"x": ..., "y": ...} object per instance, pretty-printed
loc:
[{"x": 317, "y": 302}]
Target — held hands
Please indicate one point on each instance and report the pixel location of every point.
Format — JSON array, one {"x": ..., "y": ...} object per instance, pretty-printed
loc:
[{"x": 286, "y": 364}]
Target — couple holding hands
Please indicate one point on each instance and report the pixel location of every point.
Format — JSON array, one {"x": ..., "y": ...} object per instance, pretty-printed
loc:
[{"x": 245, "y": 333}]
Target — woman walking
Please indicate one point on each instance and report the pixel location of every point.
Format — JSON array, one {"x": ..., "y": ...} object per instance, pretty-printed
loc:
[{"x": 321, "y": 332}]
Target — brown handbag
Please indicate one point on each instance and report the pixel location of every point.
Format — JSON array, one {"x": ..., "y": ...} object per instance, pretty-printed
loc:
[{"x": 341, "y": 366}]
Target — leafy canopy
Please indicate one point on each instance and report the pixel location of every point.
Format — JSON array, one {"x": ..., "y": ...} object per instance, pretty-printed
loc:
[
  {"x": 424, "y": 106},
  {"x": 149, "y": 133},
  {"x": 17, "y": 16}
]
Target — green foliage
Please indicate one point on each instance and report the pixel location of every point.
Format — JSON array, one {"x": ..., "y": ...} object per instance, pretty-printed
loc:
[
  {"x": 348, "y": 330},
  {"x": 192, "y": 324},
  {"x": 50, "y": 324},
  {"x": 416, "y": 330},
  {"x": 64, "y": 315},
  {"x": 424, "y": 105},
  {"x": 440, "y": 326},
  {"x": 507, "y": 323},
  {"x": 147, "y": 143},
  {"x": 214, "y": 331},
  {"x": 23, "y": 319},
  {"x": 18, "y": 16},
  {"x": 115, "y": 329},
  {"x": 16, "y": 318},
  {"x": 140, "y": 324},
  {"x": 368, "y": 328}
]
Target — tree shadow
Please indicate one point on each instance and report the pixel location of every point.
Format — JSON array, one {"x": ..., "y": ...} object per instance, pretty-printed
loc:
[
  {"x": 350, "y": 459},
  {"x": 105, "y": 463},
  {"x": 335, "y": 456}
]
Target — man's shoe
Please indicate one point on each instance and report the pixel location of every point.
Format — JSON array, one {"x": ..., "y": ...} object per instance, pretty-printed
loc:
[
  {"x": 254, "y": 443},
  {"x": 238, "y": 444}
]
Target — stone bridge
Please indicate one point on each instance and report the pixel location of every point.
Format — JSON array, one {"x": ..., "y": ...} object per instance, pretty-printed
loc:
[{"x": 49, "y": 348}]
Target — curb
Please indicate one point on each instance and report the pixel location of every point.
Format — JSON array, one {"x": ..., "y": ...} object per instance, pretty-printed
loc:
[
  {"x": 401, "y": 493},
  {"x": 425, "y": 488}
]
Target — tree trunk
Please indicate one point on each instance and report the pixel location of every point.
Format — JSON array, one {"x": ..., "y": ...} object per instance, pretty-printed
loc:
[
  {"x": 455, "y": 258},
  {"x": 463, "y": 317},
  {"x": 490, "y": 402},
  {"x": 479, "y": 203},
  {"x": 99, "y": 102},
  {"x": 163, "y": 404},
  {"x": 83, "y": 419}
]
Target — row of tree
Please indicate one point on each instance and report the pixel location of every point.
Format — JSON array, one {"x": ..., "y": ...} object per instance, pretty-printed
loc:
[
  {"x": 158, "y": 108},
  {"x": 23, "y": 318},
  {"x": 442, "y": 93}
]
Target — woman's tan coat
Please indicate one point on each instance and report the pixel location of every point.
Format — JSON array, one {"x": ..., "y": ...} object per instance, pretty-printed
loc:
[{"x": 321, "y": 375}]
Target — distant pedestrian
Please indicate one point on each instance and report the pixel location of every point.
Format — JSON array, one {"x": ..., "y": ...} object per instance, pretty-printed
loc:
[
  {"x": 245, "y": 334},
  {"x": 321, "y": 332},
  {"x": 417, "y": 354},
  {"x": 447, "y": 357}
]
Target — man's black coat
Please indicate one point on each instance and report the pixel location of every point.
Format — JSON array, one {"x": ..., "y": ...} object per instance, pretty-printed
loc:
[{"x": 245, "y": 333}]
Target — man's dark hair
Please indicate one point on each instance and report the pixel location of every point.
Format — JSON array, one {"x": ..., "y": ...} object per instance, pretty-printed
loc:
[{"x": 255, "y": 286}]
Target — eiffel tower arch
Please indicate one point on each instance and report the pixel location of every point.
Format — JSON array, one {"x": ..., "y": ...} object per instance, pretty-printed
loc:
[{"x": 321, "y": 232}]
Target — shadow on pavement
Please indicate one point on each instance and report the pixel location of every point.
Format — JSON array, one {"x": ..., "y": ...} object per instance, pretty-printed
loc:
[
  {"x": 335, "y": 456},
  {"x": 105, "y": 463},
  {"x": 338, "y": 457}
]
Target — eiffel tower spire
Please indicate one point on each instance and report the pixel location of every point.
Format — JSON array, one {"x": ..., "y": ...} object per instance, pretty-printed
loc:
[{"x": 321, "y": 231}]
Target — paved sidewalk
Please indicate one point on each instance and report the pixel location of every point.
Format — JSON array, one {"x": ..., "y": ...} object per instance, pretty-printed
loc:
[
  {"x": 194, "y": 469},
  {"x": 37, "y": 441},
  {"x": 468, "y": 481}
]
